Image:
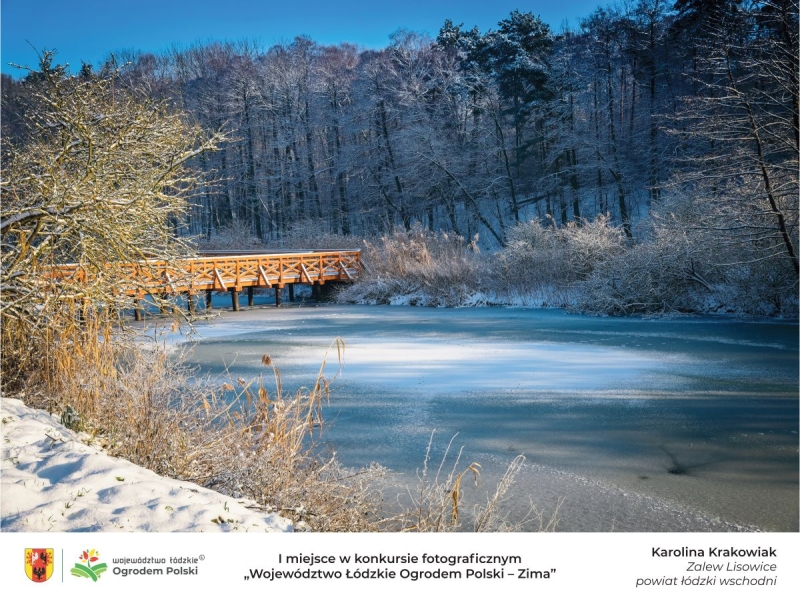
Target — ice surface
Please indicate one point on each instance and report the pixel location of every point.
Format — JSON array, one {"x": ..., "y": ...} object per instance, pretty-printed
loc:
[{"x": 696, "y": 416}]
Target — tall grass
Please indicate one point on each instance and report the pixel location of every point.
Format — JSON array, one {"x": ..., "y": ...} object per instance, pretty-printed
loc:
[
  {"x": 439, "y": 502},
  {"x": 419, "y": 267},
  {"x": 143, "y": 404}
]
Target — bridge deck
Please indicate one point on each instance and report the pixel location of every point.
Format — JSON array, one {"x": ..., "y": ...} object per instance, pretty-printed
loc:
[{"x": 233, "y": 272}]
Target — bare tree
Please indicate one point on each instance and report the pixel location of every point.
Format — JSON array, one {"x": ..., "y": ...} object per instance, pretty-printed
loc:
[
  {"x": 741, "y": 137},
  {"x": 99, "y": 179}
]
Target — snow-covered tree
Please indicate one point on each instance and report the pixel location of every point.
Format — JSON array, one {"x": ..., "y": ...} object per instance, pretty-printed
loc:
[{"x": 97, "y": 177}]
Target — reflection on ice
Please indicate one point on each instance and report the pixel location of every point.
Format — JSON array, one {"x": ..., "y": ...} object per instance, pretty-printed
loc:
[{"x": 441, "y": 366}]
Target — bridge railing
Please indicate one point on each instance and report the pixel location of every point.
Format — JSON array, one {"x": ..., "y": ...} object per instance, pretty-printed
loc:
[{"x": 222, "y": 273}]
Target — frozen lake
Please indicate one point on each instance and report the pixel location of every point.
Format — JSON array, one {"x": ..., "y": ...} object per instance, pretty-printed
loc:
[{"x": 639, "y": 425}]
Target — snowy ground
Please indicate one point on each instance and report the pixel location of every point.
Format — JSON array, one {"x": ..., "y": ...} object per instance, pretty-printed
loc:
[{"x": 52, "y": 481}]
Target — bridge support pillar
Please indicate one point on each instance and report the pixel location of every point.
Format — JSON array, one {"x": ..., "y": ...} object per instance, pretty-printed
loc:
[
  {"x": 250, "y": 300},
  {"x": 278, "y": 291},
  {"x": 83, "y": 312},
  {"x": 190, "y": 303},
  {"x": 209, "y": 304},
  {"x": 162, "y": 306},
  {"x": 235, "y": 299},
  {"x": 137, "y": 310},
  {"x": 316, "y": 291},
  {"x": 291, "y": 293}
]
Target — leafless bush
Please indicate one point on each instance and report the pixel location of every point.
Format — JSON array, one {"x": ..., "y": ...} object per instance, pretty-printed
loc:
[
  {"x": 649, "y": 278},
  {"x": 736, "y": 248},
  {"x": 537, "y": 255},
  {"x": 419, "y": 267},
  {"x": 685, "y": 265},
  {"x": 680, "y": 264}
]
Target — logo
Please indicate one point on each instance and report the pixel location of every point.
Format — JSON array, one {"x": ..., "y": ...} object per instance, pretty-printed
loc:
[
  {"x": 88, "y": 567},
  {"x": 39, "y": 564}
]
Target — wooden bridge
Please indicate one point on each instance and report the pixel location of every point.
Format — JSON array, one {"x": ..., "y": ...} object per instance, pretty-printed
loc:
[{"x": 227, "y": 271}]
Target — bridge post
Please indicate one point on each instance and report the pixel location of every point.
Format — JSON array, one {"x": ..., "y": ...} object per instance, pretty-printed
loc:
[
  {"x": 316, "y": 291},
  {"x": 190, "y": 303},
  {"x": 83, "y": 312},
  {"x": 137, "y": 310},
  {"x": 209, "y": 305},
  {"x": 162, "y": 306},
  {"x": 277, "y": 295},
  {"x": 250, "y": 301},
  {"x": 235, "y": 299},
  {"x": 291, "y": 293}
]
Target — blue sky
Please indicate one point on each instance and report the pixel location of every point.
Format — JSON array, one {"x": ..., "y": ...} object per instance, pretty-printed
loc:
[{"x": 88, "y": 30}]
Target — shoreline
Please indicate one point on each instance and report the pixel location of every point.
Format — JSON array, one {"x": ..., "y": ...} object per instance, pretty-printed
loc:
[{"x": 53, "y": 481}]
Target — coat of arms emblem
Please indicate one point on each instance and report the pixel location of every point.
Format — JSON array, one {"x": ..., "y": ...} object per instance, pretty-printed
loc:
[{"x": 39, "y": 564}]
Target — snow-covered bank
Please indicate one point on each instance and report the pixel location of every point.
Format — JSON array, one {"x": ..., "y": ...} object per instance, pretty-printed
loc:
[
  {"x": 593, "y": 269},
  {"x": 52, "y": 481}
]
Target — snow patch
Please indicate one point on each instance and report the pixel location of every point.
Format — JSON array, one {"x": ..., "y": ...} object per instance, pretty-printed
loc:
[{"x": 52, "y": 481}]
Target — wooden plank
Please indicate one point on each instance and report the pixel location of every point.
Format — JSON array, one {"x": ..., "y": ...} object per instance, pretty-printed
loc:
[
  {"x": 347, "y": 273},
  {"x": 219, "y": 279},
  {"x": 264, "y": 275}
]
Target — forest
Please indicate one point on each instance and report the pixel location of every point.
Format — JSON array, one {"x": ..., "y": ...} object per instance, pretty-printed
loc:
[{"x": 653, "y": 149}]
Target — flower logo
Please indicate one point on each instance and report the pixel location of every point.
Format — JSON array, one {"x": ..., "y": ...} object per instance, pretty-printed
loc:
[
  {"x": 88, "y": 566},
  {"x": 89, "y": 556}
]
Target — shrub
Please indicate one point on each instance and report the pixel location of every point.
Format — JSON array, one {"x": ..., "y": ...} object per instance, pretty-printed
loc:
[
  {"x": 537, "y": 255},
  {"x": 99, "y": 179},
  {"x": 419, "y": 267},
  {"x": 685, "y": 265}
]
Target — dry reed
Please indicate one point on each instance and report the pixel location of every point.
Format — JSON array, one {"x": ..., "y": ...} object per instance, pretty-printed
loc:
[
  {"x": 419, "y": 267},
  {"x": 143, "y": 404},
  {"x": 438, "y": 501}
]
